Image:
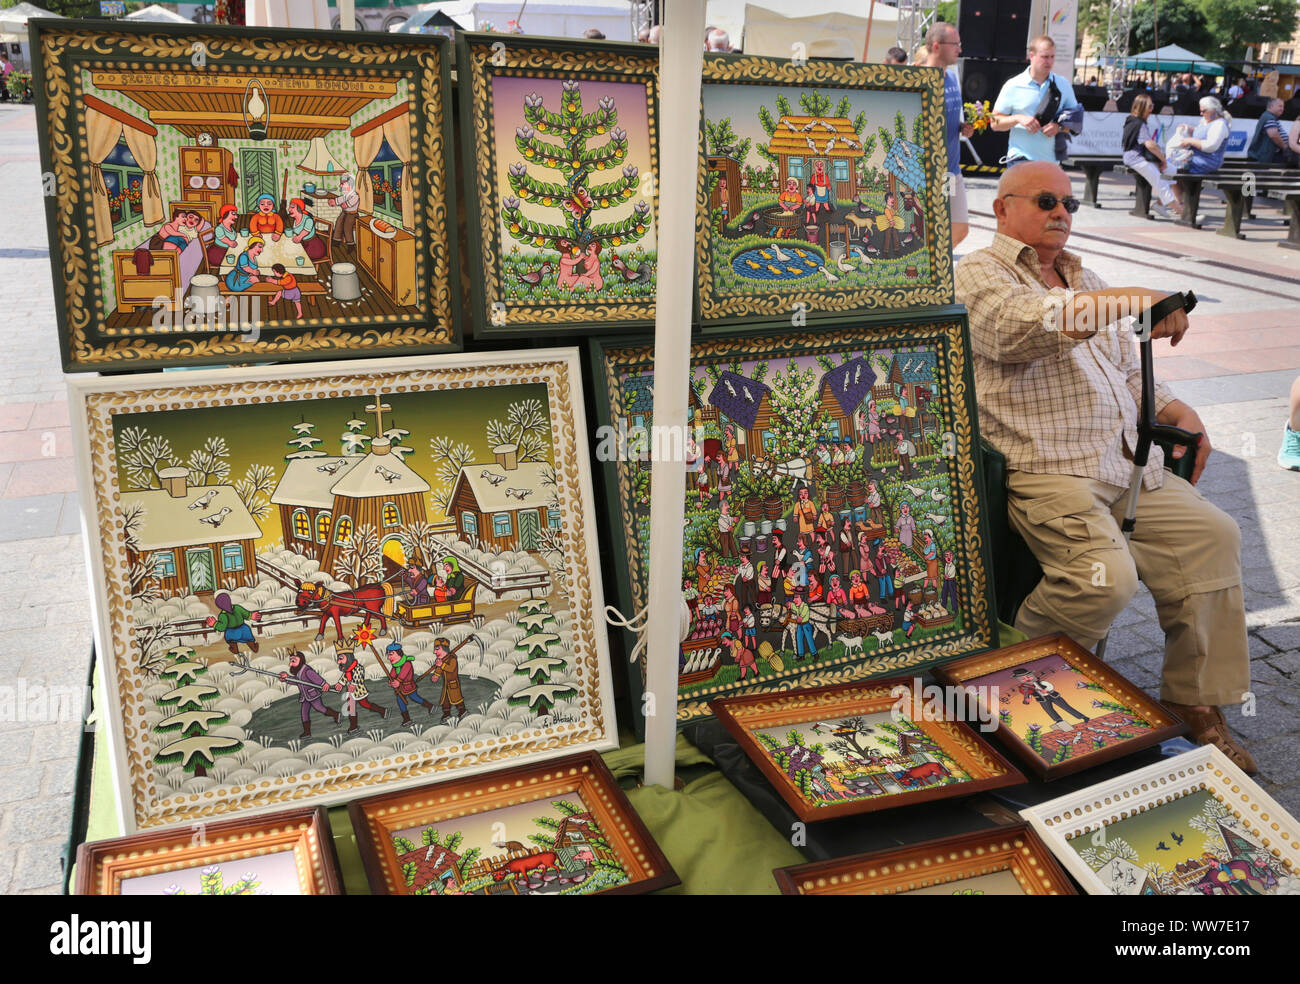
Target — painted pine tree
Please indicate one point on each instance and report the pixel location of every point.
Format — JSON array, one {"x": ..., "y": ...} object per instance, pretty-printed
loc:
[
  {"x": 560, "y": 142},
  {"x": 195, "y": 748}
]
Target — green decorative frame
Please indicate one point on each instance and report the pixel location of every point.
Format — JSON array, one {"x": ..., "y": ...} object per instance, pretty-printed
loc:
[
  {"x": 778, "y": 305},
  {"x": 944, "y": 328},
  {"x": 61, "y": 48},
  {"x": 479, "y": 59}
]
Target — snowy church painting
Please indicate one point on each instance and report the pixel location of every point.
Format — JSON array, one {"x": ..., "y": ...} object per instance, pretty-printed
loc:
[{"x": 303, "y": 582}]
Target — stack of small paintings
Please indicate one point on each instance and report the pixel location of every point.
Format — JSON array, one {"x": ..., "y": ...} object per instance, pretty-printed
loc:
[
  {"x": 1192, "y": 825},
  {"x": 288, "y": 853},
  {"x": 1004, "y": 861},
  {"x": 1058, "y": 708},
  {"x": 833, "y": 525},
  {"x": 859, "y": 747},
  {"x": 310, "y": 578},
  {"x": 560, "y": 829},
  {"x": 563, "y": 150}
]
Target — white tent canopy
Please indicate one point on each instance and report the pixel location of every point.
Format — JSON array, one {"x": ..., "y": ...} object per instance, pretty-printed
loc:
[
  {"x": 155, "y": 13},
  {"x": 13, "y": 21},
  {"x": 545, "y": 18},
  {"x": 828, "y": 28}
]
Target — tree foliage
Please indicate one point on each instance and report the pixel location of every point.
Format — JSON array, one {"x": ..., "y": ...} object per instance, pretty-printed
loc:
[
  {"x": 721, "y": 139},
  {"x": 1231, "y": 25}
]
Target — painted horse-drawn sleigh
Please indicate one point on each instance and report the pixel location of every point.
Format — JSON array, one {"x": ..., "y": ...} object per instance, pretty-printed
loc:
[{"x": 381, "y": 601}]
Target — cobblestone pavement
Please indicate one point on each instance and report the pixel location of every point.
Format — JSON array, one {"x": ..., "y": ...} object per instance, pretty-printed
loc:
[{"x": 1235, "y": 366}]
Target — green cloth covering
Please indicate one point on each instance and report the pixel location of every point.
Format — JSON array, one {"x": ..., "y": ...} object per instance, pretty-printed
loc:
[{"x": 232, "y": 619}]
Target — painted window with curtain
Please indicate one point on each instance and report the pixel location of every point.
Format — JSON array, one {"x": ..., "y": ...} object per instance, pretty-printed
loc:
[
  {"x": 124, "y": 180},
  {"x": 386, "y": 182}
]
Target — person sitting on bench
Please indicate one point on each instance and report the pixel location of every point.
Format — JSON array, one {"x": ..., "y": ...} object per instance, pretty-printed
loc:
[{"x": 1059, "y": 386}]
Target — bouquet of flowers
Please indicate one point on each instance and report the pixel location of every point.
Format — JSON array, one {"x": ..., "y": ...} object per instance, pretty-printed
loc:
[{"x": 978, "y": 115}]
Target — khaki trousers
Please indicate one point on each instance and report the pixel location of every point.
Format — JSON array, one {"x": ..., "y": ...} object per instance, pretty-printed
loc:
[{"x": 1186, "y": 551}]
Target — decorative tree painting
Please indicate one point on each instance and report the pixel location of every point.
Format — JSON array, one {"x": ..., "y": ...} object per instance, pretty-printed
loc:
[
  {"x": 292, "y": 596},
  {"x": 831, "y": 525},
  {"x": 820, "y": 186},
  {"x": 565, "y": 160},
  {"x": 266, "y": 874}
]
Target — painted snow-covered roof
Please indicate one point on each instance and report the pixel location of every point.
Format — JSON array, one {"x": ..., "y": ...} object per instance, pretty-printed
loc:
[
  {"x": 739, "y": 397},
  {"x": 310, "y": 481},
  {"x": 905, "y": 161},
  {"x": 170, "y": 522},
  {"x": 377, "y": 475},
  {"x": 526, "y": 478},
  {"x": 850, "y": 384}
]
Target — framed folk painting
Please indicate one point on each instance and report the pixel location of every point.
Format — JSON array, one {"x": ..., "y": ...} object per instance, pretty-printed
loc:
[
  {"x": 1003, "y": 861},
  {"x": 562, "y": 147},
  {"x": 1194, "y": 824},
  {"x": 1058, "y": 708},
  {"x": 563, "y": 828},
  {"x": 289, "y": 853},
  {"x": 832, "y": 506},
  {"x": 310, "y": 582},
  {"x": 860, "y": 747},
  {"x": 821, "y": 189},
  {"x": 220, "y": 195}
]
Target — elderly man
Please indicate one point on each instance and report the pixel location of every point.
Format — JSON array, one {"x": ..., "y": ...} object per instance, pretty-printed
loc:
[
  {"x": 349, "y": 201},
  {"x": 1269, "y": 143},
  {"x": 1036, "y": 89},
  {"x": 1059, "y": 382}
]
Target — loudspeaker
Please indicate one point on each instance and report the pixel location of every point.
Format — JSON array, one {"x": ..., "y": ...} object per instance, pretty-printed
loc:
[
  {"x": 982, "y": 79},
  {"x": 994, "y": 28}
]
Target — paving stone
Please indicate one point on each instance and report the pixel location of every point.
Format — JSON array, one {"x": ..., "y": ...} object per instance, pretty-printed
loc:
[
  {"x": 1277, "y": 760},
  {"x": 15, "y": 745},
  {"x": 39, "y": 869},
  {"x": 1259, "y": 648},
  {"x": 1261, "y": 671},
  {"x": 1288, "y": 663},
  {"x": 39, "y": 818},
  {"x": 60, "y": 778},
  {"x": 1283, "y": 637},
  {"x": 1271, "y": 718},
  {"x": 34, "y": 516},
  {"x": 19, "y": 785}
]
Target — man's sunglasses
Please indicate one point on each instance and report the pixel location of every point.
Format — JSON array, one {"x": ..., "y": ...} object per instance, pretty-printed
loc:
[{"x": 1047, "y": 201}]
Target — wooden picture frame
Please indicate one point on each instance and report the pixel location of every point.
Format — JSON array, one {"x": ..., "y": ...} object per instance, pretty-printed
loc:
[
  {"x": 1135, "y": 721},
  {"x": 1008, "y": 860},
  {"x": 1201, "y": 822},
  {"x": 923, "y": 362},
  {"x": 184, "y": 552},
  {"x": 918, "y": 747},
  {"x": 608, "y": 830},
  {"x": 812, "y": 150},
  {"x": 154, "y": 859},
  {"x": 222, "y": 117},
  {"x": 606, "y": 274}
]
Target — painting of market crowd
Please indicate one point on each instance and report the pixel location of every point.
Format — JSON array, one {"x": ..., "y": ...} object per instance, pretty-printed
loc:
[
  {"x": 547, "y": 847},
  {"x": 859, "y": 758},
  {"x": 820, "y": 522},
  {"x": 1191, "y": 845},
  {"x": 815, "y": 189},
  {"x": 321, "y": 582}
]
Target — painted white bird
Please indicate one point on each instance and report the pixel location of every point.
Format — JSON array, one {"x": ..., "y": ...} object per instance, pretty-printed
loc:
[
  {"x": 330, "y": 467},
  {"x": 748, "y": 395},
  {"x": 826, "y": 126},
  {"x": 846, "y": 268},
  {"x": 830, "y": 277},
  {"x": 807, "y": 126},
  {"x": 811, "y": 146},
  {"x": 857, "y": 374},
  {"x": 829, "y": 144},
  {"x": 203, "y": 501},
  {"x": 790, "y": 126},
  {"x": 777, "y": 251},
  {"x": 937, "y": 496},
  {"x": 492, "y": 479},
  {"x": 916, "y": 491},
  {"x": 304, "y": 427},
  {"x": 216, "y": 519},
  {"x": 856, "y": 251},
  {"x": 520, "y": 494},
  {"x": 936, "y": 518},
  {"x": 388, "y": 476},
  {"x": 730, "y": 389}
]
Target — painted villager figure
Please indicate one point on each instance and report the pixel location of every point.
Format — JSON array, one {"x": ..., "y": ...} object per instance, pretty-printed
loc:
[
  {"x": 804, "y": 643},
  {"x": 401, "y": 678},
  {"x": 949, "y": 598},
  {"x": 266, "y": 221},
  {"x": 233, "y": 622},
  {"x": 905, "y": 525},
  {"x": 303, "y": 230},
  {"x": 446, "y": 667},
  {"x": 309, "y": 691},
  {"x": 874, "y": 504},
  {"x": 726, "y": 523},
  {"x": 353, "y": 685},
  {"x": 805, "y": 512},
  {"x": 418, "y": 584},
  {"x": 1034, "y": 687},
  {"x": 224, "y": 237},
  {"x": 345, "y": 229},
  {"x": 745, "y": 587},
  {"x": 244, "y": 273},
  {"x": 454, "y": 577},
  {"x": 743, "y": 655}
]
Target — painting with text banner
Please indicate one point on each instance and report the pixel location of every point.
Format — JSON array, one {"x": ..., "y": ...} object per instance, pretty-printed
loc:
[
  {"x": 313, "y": 582},
  {"x": 833, "y": 523},
  {"x": 822, "y": 189},
  {"x": 220, "y": 195},
  {"x": 561, "y": 142}
]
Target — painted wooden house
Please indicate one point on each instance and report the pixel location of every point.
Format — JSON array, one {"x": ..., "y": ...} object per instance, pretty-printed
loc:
[
  {"x": 800, "y": 141},
  {"x": 198, "y": 538},
  {"x": 747, "y": 404},
  {"x": 905, "y": 165},
  {"x": 728, "y": 170},
  {"x": 505, "y": 503},
  {"x": 432, "y": 863},
  {"x": 842, "y": 392}
]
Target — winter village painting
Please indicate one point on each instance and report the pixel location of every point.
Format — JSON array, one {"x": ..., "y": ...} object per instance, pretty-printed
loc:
[
  {"x": 828, "y": 194},
  {"x": 831, "y": 517},
  {"x": 1192, "y": 844},
  {"x": 564, "y": 149},
  {"x": 252, "y": 201},
  {"x": 335, "y": 573}
]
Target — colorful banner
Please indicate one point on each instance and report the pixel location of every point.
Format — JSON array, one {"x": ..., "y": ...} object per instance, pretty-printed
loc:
[{"x": 1103, "y": 133}]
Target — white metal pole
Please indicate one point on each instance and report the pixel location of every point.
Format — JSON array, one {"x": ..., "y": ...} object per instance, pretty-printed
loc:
[
  {"x": 347, "y": 15},
  {"x": 681, "y": 62}
]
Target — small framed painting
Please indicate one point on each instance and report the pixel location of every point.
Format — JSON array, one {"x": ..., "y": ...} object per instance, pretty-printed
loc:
[
  {"x": 1058, "y": 708},
  {"x": 832, "y": 503},
  {"x": 1003, "y": 861},
  {"x": 564, "y": 828},
  {"x": 859, "y": 747},
  {"x": 313, "y": 580},
  {"x": 1194, "y": 824},
  {"x": 821, "y": 189},
  {"x": 227, "y": 194},
  {"x": 290, "y": 853},
  {"x": 561, "y": 146}
]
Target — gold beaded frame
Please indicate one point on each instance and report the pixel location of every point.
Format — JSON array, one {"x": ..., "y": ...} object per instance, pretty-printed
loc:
[{"x": 585, "y": 777}]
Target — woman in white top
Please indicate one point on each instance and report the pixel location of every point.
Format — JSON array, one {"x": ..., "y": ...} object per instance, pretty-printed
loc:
[
  {"x": 1209, "y": 141},
  {"x": 1142, "y": 153}
]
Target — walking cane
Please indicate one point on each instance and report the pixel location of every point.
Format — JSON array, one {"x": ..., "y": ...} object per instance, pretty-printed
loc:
[{"x": 1147, "y": 429}]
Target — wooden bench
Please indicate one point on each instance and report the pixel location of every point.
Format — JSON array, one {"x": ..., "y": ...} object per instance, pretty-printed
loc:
[
  {"x": 1093, "y": 166},
  {"x": 1238, "y": 202},
  {"x": 311, "y": 289}
]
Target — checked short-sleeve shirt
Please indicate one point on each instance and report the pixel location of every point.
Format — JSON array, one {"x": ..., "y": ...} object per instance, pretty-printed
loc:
[{"x": 1053, "y": 405}]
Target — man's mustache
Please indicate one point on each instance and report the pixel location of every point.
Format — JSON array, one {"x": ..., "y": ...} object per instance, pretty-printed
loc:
[{"x": 1063, "y": 226}]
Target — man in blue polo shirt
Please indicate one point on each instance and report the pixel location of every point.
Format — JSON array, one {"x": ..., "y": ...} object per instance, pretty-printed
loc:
[{"x": 1019, "y": 102}]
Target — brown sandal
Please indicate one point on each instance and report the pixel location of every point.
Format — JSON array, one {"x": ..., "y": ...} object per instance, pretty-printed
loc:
[{"x": 1209, "y": 728}]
